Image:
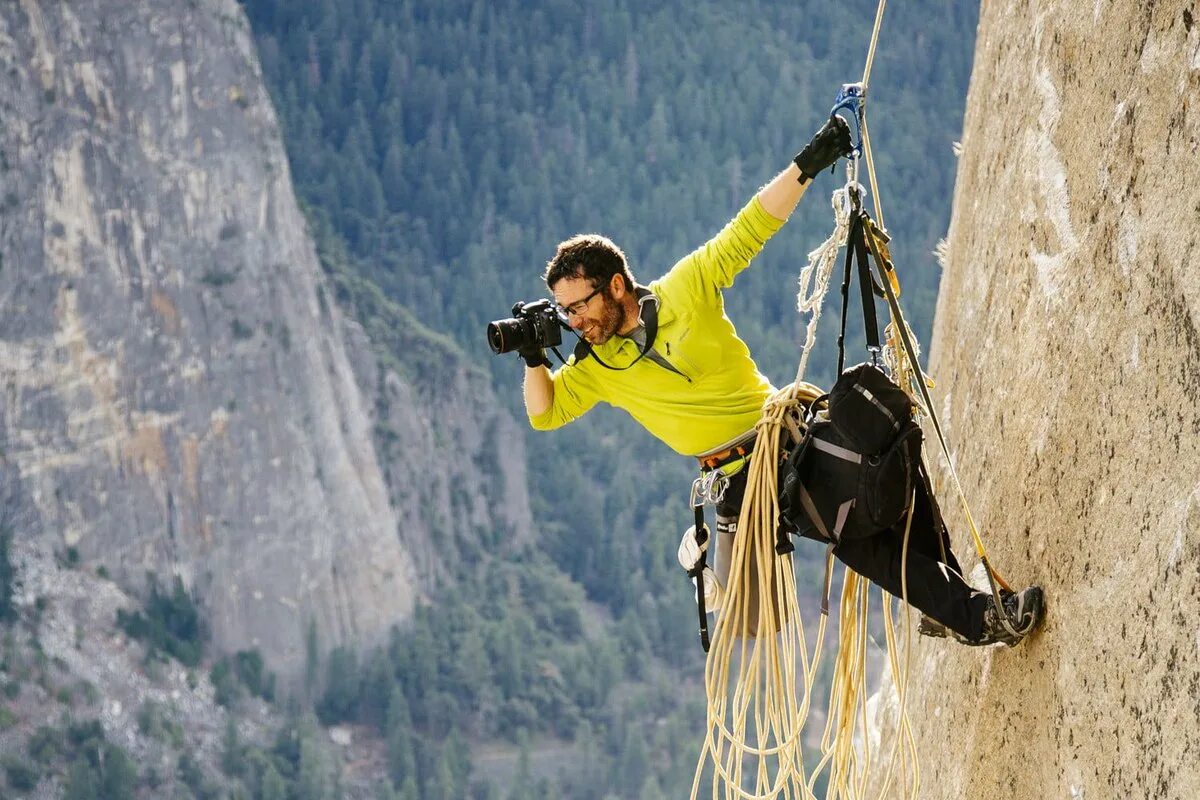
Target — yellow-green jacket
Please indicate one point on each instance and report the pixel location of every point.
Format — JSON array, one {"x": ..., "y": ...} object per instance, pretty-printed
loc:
[{"x": 720, "y": 393}]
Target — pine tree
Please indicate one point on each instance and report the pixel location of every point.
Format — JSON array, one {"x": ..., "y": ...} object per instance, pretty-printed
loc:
[
  {"x": 312, "y": 659},
  {"x": 401, "y": 753},
  {"x": 233, "y": 757},
  {"x": 340, "y": 700},
  {"x": 7, "y": 573},
  {"x": 313, "y": 781},
  {"x": 273, "y": 786}
]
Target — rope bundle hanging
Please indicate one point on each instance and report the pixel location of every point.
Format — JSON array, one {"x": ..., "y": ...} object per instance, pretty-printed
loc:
[{"x": 760, "y": 626}]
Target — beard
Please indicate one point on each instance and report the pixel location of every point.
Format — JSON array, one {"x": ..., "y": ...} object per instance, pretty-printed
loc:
[{"x": 612, "y": 319}]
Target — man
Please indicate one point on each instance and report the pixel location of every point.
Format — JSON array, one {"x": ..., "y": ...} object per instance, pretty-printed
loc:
[{"x": 669, "y": 355}]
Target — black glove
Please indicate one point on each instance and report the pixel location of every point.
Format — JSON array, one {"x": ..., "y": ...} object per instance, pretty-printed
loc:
[
  {"x": 534, "y": 357},
  {"x": 827, "y": 146}
]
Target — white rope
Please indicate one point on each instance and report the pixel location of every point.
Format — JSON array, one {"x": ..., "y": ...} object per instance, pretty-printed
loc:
[{"x": 818, "y": 271}]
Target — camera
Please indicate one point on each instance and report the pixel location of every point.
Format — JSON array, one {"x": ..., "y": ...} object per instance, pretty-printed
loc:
[{"x": 535, "y": 325}]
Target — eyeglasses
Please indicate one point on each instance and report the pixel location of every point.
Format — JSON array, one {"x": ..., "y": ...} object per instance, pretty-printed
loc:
[{"x": 579, "y": 306}]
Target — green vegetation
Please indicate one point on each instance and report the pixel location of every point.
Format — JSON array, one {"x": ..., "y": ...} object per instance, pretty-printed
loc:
[
  {"x": 217, "y": 278},
  {"x": 7, "y": 718},
  {"x": 297, "y": 766},
  {"x": 8, "y": 575},
  {"x": 171, "y": 624},
  {"x": 20, "y": 775},
  {"x": 157, "y": 722},
  {"x": 241, "y": 330},
  {"x": 244, "y": 672},
  {"x": 508, "y": 659},
  {"x": 94, "y": 768}
]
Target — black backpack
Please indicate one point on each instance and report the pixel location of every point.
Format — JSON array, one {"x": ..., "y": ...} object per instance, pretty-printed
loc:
[{"x": 852, "y": 474}]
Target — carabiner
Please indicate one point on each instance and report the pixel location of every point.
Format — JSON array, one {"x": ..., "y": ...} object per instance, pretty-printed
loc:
[{"x": 852, "y": 97}]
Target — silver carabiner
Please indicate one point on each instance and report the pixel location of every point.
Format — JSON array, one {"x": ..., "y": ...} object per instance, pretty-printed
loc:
[{"x": 709, "y": 488}]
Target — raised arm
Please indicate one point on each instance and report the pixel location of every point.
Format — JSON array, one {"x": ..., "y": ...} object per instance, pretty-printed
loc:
[{"x": 780, "y": 197}]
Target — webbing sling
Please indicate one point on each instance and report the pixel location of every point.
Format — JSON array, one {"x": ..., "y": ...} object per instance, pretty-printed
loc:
[
  {"x": 856, "y": 251},
  {"x": 697, "y": 573}
]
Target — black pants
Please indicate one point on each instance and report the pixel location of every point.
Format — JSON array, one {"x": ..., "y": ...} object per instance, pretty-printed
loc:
[{"x": 935, "y": 583}]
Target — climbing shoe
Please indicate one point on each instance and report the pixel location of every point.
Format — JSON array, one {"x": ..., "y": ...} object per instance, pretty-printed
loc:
[
  {"x": 1023, "y": 611},
  {"x": 928, "y": 626}
]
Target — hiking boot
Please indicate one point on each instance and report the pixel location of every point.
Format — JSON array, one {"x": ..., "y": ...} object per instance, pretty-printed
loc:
[{"x": 1023, "y": 611}]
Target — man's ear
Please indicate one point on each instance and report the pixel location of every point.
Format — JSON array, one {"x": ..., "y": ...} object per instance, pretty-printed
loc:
[{"x": 616, "y": 286}]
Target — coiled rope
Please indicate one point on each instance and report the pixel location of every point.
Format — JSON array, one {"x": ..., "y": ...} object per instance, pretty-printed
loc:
[{"x": 760, "y": 627}]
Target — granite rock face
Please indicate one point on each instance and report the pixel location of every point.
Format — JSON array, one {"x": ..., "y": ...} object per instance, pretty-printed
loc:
[
  {"x": 1068, "y": 365},
  {"x": 179, "y": 395}
]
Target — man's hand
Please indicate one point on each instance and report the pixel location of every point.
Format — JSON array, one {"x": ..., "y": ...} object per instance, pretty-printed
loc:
[
  {"x": 827, "y": 146},
  {"x": 534, "y": 357},
  {"x": 690, "y": 550}
]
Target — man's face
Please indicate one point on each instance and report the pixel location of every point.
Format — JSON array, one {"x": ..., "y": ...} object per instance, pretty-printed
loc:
[{"x": 596, "y": 315}]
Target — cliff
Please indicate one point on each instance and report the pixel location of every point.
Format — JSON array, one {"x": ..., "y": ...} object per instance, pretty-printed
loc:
[
  {"x": 1068, "y": 362},
  {"x": 181, "y": 392}
]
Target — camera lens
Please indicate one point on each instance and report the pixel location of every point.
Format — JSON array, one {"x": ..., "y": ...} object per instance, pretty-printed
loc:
[{"x": 506, "y": 335}]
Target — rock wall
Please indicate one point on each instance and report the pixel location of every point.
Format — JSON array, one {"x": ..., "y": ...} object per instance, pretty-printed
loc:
[
  {"x": 175, "y": 390},
  {"x": 1068, "y": 361}
]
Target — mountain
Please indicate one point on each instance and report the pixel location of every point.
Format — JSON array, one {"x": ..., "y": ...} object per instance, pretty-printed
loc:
[{"x": 184, "y": 396}]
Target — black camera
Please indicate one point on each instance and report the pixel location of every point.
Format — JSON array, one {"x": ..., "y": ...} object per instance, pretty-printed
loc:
[{"x": 535, "y": 325}]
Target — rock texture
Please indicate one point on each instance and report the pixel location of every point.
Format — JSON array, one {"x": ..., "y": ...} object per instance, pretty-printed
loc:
[
  {"x": 179, "y": 391},
  {"x": 1068, "y": 360}
]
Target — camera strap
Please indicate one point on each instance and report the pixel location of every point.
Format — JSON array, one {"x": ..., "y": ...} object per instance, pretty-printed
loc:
[{"x": 647, "y": 313}]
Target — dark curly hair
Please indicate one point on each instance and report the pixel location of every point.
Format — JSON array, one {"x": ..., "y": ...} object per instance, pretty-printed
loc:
[{"x": 590, "y": 256}]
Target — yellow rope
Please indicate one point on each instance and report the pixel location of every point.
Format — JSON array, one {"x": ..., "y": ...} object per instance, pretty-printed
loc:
[
  {"x": 756, "y": 714},
  {"x": 866, "y": 78},
  {"x": 866, "y": 136}
]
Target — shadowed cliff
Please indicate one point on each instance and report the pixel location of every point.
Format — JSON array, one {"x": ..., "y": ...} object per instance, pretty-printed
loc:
[{"x": 1068, "y": 367}]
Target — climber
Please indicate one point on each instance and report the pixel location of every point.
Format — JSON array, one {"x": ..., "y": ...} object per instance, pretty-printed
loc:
[{"x": 669, "y": 355}]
